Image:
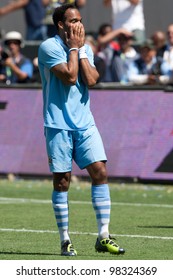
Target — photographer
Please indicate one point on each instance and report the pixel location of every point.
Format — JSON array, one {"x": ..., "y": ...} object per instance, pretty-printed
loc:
[
  {"x": 2, "y": 68},
  {"x": 16, "y": 67}
]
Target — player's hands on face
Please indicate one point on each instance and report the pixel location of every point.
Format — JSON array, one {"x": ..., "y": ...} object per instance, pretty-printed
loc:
[{"x": 75, "y": 37}]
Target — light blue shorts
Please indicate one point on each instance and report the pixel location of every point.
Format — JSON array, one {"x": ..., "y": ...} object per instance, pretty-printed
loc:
[{"x": 82, "y": 146}]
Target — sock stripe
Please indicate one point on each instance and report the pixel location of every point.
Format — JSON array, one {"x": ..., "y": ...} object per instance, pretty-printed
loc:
[
  {"x": 60, "y": 211},
  {"x": 62, "y": 216},
  {"x": 101, "y": 207},
  {"x": 59, "y": 221},
  {"x": 58, "y": 206},
  {"x": 105, "y": 211},
  {"x": 63, "y": 225},
  {"x": 102, "y": 216}
]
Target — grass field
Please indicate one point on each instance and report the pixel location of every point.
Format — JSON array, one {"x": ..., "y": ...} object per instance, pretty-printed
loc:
[{"x": 141, "y": 221}]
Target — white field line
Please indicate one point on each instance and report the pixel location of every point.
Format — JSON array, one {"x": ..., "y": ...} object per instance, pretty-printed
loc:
[
  {"x": 4, "y": 200},
  {"x": 84, "y": 233}
]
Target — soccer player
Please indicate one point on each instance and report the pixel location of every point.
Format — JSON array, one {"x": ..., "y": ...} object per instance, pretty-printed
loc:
[{"x": 67, "y": 71}]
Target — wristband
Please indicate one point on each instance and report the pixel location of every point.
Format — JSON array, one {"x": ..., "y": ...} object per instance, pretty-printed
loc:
[
  {"x": 82, "y": 53},
  {"x": 73, "y": 49}
]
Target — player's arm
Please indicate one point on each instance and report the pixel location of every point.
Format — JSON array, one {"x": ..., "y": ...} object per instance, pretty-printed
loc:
[
  {"x": 12, "y": 6},
  {"x": 68, "y": 72},
  {"x": 88, "y": 72}
]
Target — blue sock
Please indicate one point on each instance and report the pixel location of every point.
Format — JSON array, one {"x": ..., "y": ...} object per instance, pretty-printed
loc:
[
  {"x": 60, "y": 207},
  {"x": 101, "y": 204}
]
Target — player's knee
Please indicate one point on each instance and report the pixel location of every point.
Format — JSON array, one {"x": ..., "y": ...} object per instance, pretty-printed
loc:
[
  {"x": 61, "y": 186},
  {"x": 61, "y": 183},
  {"x": 100, "y": 177}
]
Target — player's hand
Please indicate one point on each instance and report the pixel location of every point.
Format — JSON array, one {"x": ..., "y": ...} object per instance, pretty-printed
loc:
[{"x": 75, "y": 37}]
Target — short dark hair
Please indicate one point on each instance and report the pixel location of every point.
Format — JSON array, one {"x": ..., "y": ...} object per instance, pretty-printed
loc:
[
  {"x": 101, "y": 30},
  {"x": 59, "y": 13}
]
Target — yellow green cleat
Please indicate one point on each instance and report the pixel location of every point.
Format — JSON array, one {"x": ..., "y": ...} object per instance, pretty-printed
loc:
[
  {"x": 67, "y": 249},
  {"x": 108, "y": 245}
]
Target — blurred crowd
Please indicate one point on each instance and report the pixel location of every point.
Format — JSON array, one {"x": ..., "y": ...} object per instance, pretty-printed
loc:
[
  {"x": 122, "y": 53},
  {"x": 119, "y": 59}
]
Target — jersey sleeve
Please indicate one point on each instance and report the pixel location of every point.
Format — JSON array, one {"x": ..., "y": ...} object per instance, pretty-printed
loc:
[{"x": 51, "y": 54}]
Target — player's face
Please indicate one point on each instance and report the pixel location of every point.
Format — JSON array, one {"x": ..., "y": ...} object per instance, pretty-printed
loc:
[
  {"x": 170, "y": 34},
  {"x": 72, "y": 17}
]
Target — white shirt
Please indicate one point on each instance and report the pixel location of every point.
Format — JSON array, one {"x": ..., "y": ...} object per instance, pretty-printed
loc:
[
  {"x": 127, "y": 15},
  {"x": 168, "y": 56}
]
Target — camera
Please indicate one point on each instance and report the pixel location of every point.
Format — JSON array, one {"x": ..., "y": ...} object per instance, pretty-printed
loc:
[{"x": 4, "y": 54}]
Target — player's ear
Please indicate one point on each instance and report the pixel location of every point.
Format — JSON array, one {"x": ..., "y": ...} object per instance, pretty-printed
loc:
[{"x": 60, "y": 25}]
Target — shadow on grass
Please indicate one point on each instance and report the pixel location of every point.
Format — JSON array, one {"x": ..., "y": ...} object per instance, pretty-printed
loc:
[
  {"x": 42, "y": 254},
  {"x": 27, "y": 253},
  {"x": 155, "y": 227}
]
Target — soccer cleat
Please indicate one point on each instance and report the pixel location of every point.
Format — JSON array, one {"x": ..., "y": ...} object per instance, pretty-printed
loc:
[
  {"x": 67, "y": 249},
  {"x": 108, "y": 245}
]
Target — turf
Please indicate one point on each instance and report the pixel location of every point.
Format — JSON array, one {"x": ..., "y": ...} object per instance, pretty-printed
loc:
[{"x": 141, "y": 221}]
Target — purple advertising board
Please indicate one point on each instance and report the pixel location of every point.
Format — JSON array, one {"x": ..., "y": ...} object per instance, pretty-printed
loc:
[{"x": 136, "y": 127}]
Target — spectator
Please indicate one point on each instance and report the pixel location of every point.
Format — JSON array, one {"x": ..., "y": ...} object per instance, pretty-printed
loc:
[
  {"x": 2, "y": 68},
  {"x": 36, "y": 74},
  {"x": 122, "y": 58},
  {"x": 107, "y": 36},
  {"x": 168, "y": 53},
  {"x": 17, "y": 67},
  {"x": 128, "y": 14},
  {"x": 98, "y": 61},
  {"x": 147, "y": 69},
  {"x": 34, "y": 15},
  {"x": 159, "y": 41},
  {"x": 2, "y": 53},
  {"x": 107, "y": 44},
  {"x": 51, "y": 30}
]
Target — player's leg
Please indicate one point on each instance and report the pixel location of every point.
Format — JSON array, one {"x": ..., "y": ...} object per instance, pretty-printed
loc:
[
  {"x": 102, "y": 205},
  {"x": 100, "y": 197},
  {"x": 91, "y": 155},
  {"x": 61, "y": 183},
  {"x": 59, "y": 149}
]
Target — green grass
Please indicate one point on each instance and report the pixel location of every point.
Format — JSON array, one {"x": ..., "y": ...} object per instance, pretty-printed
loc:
[{"x": 141, "y": 221}]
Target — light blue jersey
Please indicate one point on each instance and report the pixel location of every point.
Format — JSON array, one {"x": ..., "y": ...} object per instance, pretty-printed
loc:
[{"x": 65, "y": 107}]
